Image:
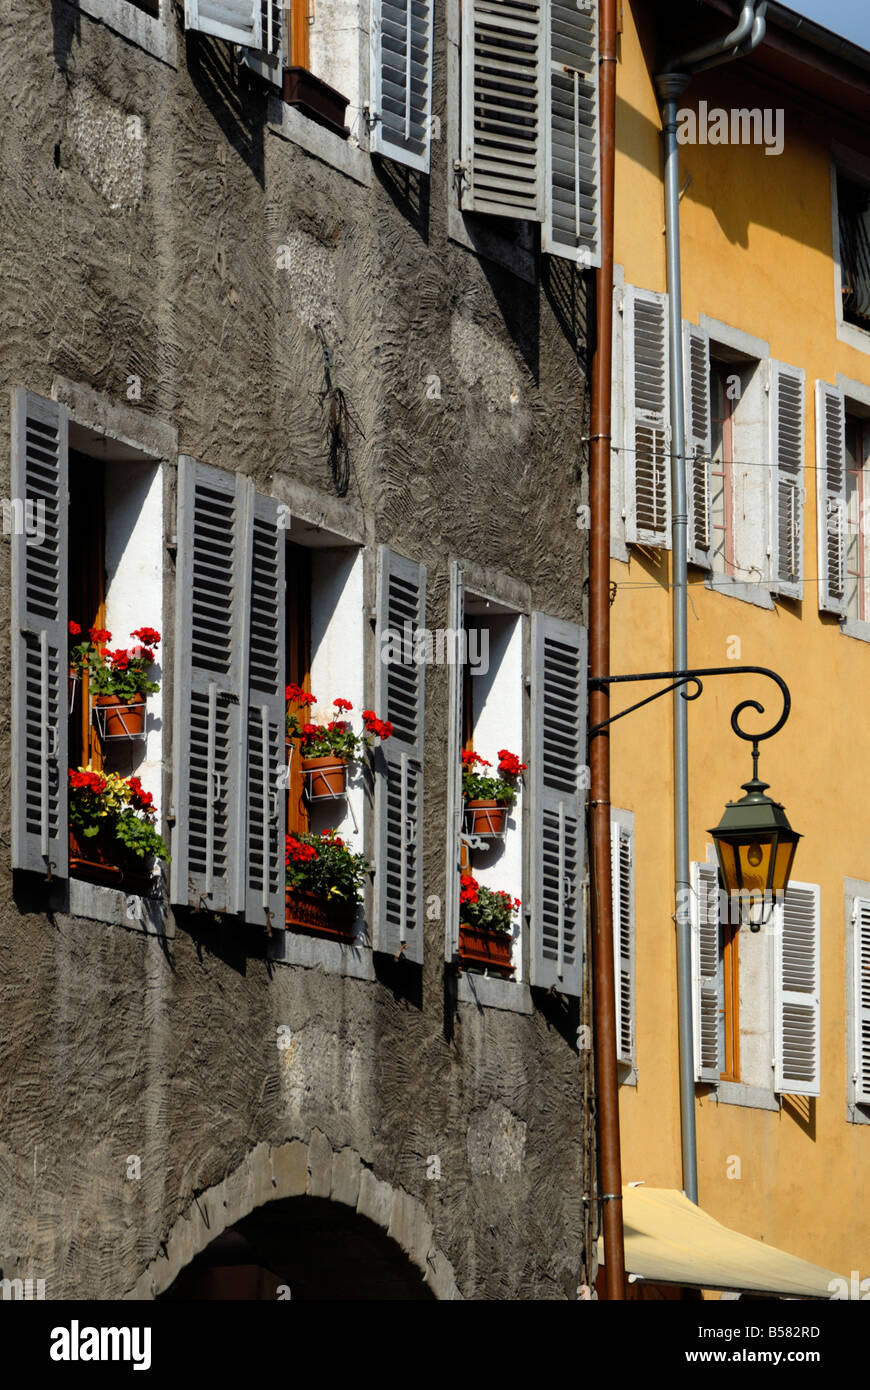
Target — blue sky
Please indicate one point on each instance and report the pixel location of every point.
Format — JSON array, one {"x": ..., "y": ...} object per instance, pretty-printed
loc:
[{"x": 851, "y": 18}]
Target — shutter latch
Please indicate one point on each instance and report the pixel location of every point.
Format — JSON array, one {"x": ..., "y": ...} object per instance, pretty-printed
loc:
[{"x": 370, "y": 117}]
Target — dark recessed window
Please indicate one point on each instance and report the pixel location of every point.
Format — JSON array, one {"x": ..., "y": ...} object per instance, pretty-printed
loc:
[{"x": 853, "y": 207}]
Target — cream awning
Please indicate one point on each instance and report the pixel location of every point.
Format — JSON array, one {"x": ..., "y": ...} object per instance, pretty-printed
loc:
[{"x": 668, "y": 1240}]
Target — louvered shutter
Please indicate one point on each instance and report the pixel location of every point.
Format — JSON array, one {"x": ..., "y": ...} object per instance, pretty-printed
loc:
[
  {"x": 696, "y": 364},
  {"x": 861, "y": 967},
  {"x": 796, "y": 992},
  {"x": 706, "y": 971},
  {"x": 787, "y": 469},
  {"x": 572, "y": 223},
  {"x": 266, "y": 804},
  {"x": 622, "y": 874},
  {"x": 557, "y": 766},
  {"x": 647, "y": 428},
  {"x": 238, "y": 21},
  {"x": 831, "y": 482},
  {"x": 401, "y": 80},
  {"x": 208, "y": 839},
  {"x": 455, "y": 621},
  {"x": 399, "y": 698},
  {"x": 503, "y": 107},
  {"x": 40, "y": 483}
]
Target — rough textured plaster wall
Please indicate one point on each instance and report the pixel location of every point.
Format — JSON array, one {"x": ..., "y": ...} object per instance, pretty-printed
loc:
[{"x": 143, "y": 215}]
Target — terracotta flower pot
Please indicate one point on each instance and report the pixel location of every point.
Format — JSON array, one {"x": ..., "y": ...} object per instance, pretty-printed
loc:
[
  {"x": 310, "y": 913},
  {"x": 315, "y": 98},
  {"x": 101, "y": 858},
  {"x": 124, "y": 715},
  {"x": 328, "y": 776},
  {"x": 492, "y": 949},
  {"x": 485, "y": 817}
]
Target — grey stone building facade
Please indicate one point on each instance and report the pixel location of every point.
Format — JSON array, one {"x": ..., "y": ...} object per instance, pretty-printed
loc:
[{"x": 240, "y": 344}]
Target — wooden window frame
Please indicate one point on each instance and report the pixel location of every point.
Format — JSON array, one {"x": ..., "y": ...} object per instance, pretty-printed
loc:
[
  {"x": 730, "y": 966},
  {"x": 298, "y": 628},
  {"x": 87, "y": 591}
]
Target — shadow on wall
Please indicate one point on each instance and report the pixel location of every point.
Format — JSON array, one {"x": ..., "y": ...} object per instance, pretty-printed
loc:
[
  {"x": 236, "y": 99},
  {"x": 409, "y": 190},
  {"x": 66, "y": 27}
]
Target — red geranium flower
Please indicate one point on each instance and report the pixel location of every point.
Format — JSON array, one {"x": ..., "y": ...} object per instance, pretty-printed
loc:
[
  {"x": 149, "y": 635},
  {"x": 74, "y": 629},
  {"x": 295, "y": 695},
  {"x": 468, "y": 889},
  {"x": 342, "y": 704},
  {"x": 509, "y": 763},
  {"x": 99, "y": 634}
]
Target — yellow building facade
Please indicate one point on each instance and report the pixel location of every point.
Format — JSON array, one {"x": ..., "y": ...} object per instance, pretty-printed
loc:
[{"x": 763, "y": 280}]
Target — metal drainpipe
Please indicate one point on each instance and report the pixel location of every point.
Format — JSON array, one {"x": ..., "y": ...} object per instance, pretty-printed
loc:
[
  {"x": 670, "y": 85},
  {"x": 607, "y": 1072}
]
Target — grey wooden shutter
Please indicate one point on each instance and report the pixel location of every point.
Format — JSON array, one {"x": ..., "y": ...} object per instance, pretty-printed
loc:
[
  {"x": 238, "y": 21},
  {"x": 557, "y": 770},
  {"x": 861, "y": 977},
  {"x": 401, "y": 80},
  {"x": 40, "y": 481},
  {"x": 787, "y": 470},
  {"x": 572, "y": 224},
  {"x": 696, "y": 362},
  {"x": 647, "y": 428},
  {"x": 400, "y": 698},
  {"x": 706, "y": 971},
  {"x": 622, "y": 874},
  {"x": 796, "y": 992},
  {"x": 455, "y": 621},
  {"x": 208, "y": 838},
  {"x": 266, "y": 804},
  {"x": 831, "y": 483},
  {"x": 503, "y": 107}
]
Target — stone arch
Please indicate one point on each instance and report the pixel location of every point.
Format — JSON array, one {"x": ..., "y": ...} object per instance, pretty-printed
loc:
[{"x": 309, "y": 1169}]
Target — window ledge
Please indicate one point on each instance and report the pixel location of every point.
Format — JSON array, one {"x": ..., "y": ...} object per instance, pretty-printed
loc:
[
  {"x": 99, "y": 904},
  {"x": 757, "y": 594},
  {"x": 488, "y": 992},
  {"x": 753, "y": 1097},
  {"x": 853, "y": 335},
  {"x": 356, "y": 962},
  {"x": 857, "y": 1114},
  {"x": 854, "y": 627},
  {"x": 152, "y": 35},
  {"x": 627, "y": 1073},
  {"x": 492, "y": 244},
  {"x": 288, "y": 123}
]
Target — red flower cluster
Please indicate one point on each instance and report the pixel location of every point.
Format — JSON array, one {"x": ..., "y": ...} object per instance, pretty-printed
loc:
[
  {"x": 342, "y": 704},
  {"x": 310, "y": 730},
  {"x": 296, "y": 851},
  {"x": 99, "y": 634},
  {"x": 120, "y": 659},
  {"x": 149, "y": 635},
  {"x": 87, "y": 781},
  {"x": 509, "y": 763},
  {"x": 142, "y": 800},
  {"x": 338, "y": 726},
  {"x": 74, "y": 629},
  {"x": 468, "y": 889},
  {"x": 472, "y": 759},
  {"x": 381, "y": 728},
  {"x": 511, "y": 904},
  {"x": 295, "y": 695}
]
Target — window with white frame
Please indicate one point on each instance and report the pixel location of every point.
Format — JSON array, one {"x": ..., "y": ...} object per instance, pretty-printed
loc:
[
  {"x": 853, "y": 241},
  {"x": 843, "y": 461}
]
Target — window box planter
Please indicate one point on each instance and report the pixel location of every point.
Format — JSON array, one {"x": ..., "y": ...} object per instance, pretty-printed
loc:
[
  {"x": 485, "y": 817},
  {"x": 310, "y": 913},
  {"x": 326, "y": 777},
  {"x": 120, "y": 717},
  {"x": 489, "y": 949},
  {"x": 103, "y": 859},
  {"x": 316, "y": 99}
]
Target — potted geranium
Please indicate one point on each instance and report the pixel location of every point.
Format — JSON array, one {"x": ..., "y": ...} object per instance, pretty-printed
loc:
[
  {"x": 118, "y": 680},
  {"x": 324, "y": 884},
  {"x": 487, "y": 798},
  {"x": 486, "y": 925},
  {"x": 326, "y": 748},
  {"x": 112, "y": 835}
]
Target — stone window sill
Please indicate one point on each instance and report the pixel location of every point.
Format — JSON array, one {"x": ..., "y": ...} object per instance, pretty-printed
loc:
[{"x": 154, "y": 36}]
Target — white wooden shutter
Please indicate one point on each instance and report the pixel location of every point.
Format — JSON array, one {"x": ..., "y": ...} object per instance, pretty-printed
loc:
[
  {"x": 622, "y": 875},
  {"x": 401, "y": 80},
  {"x": 208, "y": 837},
  {"x": 238, "y": 21},
  {"x": 796, "y": 992},
  {"x": 861, "y": 976},
  {"x": 706, "y": 971},
  {"x": 262, "y": 897},
  {"x": 787, "y": 470},
  {"x": 696, "y": 365},
  {"x": 831, "y": 482},
  {"x": 399, "y": 698},
  {"x": 557, "y": 770},
  {"x": 455, "y": 621},
  {"x": 647, "y": 427},
  {"x": 572, "y": 222},
  {"x": 40, "y": 480},
  {"x": 503, "y": 107}
]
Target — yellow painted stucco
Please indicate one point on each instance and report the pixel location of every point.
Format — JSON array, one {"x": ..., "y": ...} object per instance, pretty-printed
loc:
[{"x": 757, "y": 255}]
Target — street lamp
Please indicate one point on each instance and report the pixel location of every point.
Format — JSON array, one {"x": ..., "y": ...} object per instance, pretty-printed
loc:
[{"x": 755, "y": 846}]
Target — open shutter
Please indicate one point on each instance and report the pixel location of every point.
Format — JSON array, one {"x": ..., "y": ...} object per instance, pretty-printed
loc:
[
  {"x": 706, "y": 971},
  {"x": 401, "y": 80},
  {"x": 455, "y": 622},
  {"x": 572, "y": 224},
  {"x": 399, "y": 698},
  {"x": 647, "y": 429},
  {"x": 796, "y": 992},
  {"x": 787, "y": 460},
  {"x": 696, "y": 363},
  {"x": 503, "y": 108},
  {"x": 266, "y": 803},
  {"x": 208, "y": 838},
  {"x": 558, "y": 802},
  {"x": 831, "y": 478},
  {"x": 622, "y": 874},
  {"x": 40, "y": 481},
  {"x": 238, "y": 21},
  {"x": 861, "y": 968}
]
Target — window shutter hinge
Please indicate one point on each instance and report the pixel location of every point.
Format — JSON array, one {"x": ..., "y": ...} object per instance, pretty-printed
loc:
[{"x": 370, "y": 117}]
